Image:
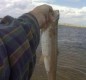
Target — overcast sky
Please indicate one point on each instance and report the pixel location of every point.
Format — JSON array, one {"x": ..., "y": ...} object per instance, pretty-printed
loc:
[{"x": 71, "y": 11}]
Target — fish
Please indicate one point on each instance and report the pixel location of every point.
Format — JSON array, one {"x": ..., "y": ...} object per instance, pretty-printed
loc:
[{"x": 49, "y": 46}]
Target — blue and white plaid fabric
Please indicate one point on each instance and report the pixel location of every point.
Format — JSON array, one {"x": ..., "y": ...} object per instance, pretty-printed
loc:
[{"x": 19, "y": 39}]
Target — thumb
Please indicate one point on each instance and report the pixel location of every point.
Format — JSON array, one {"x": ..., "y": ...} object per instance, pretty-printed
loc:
[{"x": 51, "y": 17}]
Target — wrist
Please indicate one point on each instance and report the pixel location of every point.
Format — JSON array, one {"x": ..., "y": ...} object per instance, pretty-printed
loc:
[{"x": 38, "y": 16}]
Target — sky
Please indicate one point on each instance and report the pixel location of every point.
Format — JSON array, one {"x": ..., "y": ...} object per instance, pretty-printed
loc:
[
  {"x": 71, "y": 3},
  {"x": 71, "y": 11}
]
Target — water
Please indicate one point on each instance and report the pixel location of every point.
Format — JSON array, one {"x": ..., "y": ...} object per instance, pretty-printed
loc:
[{"x": 72, "y": 53}]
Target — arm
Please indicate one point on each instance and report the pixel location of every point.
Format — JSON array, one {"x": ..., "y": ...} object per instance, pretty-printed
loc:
[
  {"x": 4, "y": 64},
  {"x": 32, "y": 29},
  {"x": 20, "y": 30}
]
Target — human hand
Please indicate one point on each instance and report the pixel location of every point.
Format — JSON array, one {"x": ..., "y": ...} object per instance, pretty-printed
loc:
[{"x": 44, "y": 14}]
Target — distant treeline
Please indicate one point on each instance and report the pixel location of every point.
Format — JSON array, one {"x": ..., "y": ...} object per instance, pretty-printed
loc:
[{"x": 72, "y": 25}]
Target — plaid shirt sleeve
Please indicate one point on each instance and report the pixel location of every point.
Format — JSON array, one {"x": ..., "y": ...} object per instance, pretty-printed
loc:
[{"x": 19, "y": 39}]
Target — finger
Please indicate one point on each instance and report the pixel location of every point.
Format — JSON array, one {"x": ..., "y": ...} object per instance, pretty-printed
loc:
[{"x": 51, "y": 11}]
